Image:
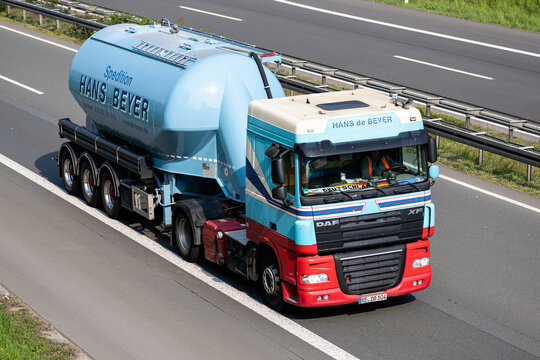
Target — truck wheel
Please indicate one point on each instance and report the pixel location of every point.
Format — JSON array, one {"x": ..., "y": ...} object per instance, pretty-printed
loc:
[
  {"x": 71, "y": 181},
  {"x": 270, "y": 282},
  {"x": 183, "y": 234},
  {"x": 88, "y": 184},
  {"x": 111, "y": 200}
]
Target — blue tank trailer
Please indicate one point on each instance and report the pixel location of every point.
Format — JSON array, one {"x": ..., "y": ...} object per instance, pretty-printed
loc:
[{"x": 273, "y": 188}]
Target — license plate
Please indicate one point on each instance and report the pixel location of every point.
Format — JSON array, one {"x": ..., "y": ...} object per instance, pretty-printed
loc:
[{"x": 372, "y": 298}]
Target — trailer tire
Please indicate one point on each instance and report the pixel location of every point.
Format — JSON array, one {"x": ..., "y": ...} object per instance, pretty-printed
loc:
[
  {"x": 270, "y": 282},
  {"x": 67, "y": 170},
  {"x": 89, "y": 187},
  {"x": 184, "y": 237},
  {"x": 109, "y": 198}
]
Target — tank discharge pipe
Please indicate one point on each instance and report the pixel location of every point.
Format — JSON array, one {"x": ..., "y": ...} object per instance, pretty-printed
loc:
[{"x": 261, "y": 71}]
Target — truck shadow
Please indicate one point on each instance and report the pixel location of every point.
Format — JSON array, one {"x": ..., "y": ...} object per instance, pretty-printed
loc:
[
  {"x": 48, "y": 168},
  {"x": 295, "y": 313}
]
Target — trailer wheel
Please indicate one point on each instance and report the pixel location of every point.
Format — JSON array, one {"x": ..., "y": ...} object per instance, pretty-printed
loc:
[
  {"x": 270, "y": 282},
  {"x": 183, "y": 234},
  {"x": 109, "y": 197},
  {"x": 89, "y": 188},
  {"x": 70, "y": 180}
]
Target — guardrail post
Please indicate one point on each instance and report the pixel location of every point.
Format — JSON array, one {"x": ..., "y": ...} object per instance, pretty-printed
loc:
[
  {"x": 510, "y": 134},
  {"x": 325, "y": 73},
  {"x": 529, "y": 173},
  {"x": 480, "y": 157},
  {"x": 24, "y": 15},
  {"x": 360, "y": 81},
  {"x": 296, "y": 63}
]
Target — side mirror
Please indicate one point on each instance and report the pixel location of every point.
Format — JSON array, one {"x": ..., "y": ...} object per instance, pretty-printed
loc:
[
  {"x": 279, "y": 192},
  {"x": 432, "y": 150},
  {"x": 434, "y": 171},
  {"x": 278, "y": 171}
]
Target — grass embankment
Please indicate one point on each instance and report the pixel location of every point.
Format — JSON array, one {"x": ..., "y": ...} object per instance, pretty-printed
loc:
[
  {"x": 519, "y": 14},
  {"x": 21, "y": 335}
]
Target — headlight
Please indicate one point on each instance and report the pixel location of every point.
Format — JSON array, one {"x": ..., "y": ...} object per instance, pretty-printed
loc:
[
  {"x": 420, "y": 262},
  {"x": 314, "y": 279}
]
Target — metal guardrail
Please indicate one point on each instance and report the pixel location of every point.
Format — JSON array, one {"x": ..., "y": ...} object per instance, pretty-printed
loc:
[
  {"x": 462, "y": 134},
  {"x": 507, "y": 148},
  {"x": 57, "y": 14}
]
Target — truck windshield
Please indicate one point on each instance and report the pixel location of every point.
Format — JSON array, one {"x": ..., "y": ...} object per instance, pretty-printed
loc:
[{"x": 364, "y": 170}]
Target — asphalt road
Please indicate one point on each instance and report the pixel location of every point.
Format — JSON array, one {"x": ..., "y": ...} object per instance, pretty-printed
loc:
[
  {"x": 118, "y": 300},
  {"x": 340, "y": 33}
]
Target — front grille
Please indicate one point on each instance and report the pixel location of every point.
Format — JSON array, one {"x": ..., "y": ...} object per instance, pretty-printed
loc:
[
  {"x": 368, "y": 231},
  {"x": 367, "y": 272}
]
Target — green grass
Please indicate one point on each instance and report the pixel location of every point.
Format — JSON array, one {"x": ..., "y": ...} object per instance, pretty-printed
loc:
[
  {"x": 21, "y": 339},
  {"x": 519, "y": 14}
]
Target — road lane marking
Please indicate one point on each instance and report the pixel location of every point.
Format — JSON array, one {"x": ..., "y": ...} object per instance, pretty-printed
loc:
[
  {"x": 442, "y": 67},
  {"x": 21, "y": 85},
  {"x": 210, "y": 13},
  {"x": 487, "y": 192},
  {"x": 406, "y": 28},
  {"x": 40, "y": 39},
  {"x": 285, "y": 323}
]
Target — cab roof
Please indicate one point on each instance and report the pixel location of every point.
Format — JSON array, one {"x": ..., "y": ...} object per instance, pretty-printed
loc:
[{"x": 309, "y": 113}]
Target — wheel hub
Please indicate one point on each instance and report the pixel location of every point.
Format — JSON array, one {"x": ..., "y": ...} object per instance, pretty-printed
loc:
[
  {"x": 68, "y": 172},
  {"x": 88, "y": 184},
  {"x": 271, "y": 280}
]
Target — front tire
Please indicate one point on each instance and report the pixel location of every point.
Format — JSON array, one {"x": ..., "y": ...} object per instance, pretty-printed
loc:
[
  {"x": 111, "y": 200},
  {"x": 270, "y": 283},
  {"x": 70, "y": 180},
  {"x": 184, "y": 236},
  {"x": 88, "y": 184}
]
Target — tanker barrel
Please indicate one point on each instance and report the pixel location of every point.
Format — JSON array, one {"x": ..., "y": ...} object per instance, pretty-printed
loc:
[
  {"x": 142, "y": 165},
  {"x": 181, "y": 97}
]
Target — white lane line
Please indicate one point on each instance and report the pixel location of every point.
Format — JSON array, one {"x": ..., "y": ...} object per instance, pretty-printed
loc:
[
  {"x": 21, "y": 85},
  {"x": 443, "y": 67},
  {"x": 40, "y": 39},
  {"x": 287, "y": 324},
  {"x": 406, "y": 28},
  {"x": 210, "y": 13},
  {"x": 486, "y": 192}
]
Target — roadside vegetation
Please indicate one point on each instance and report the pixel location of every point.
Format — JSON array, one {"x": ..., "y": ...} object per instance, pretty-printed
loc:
[
  {"x": 65, "y": 31},
  {"x": 519, "y": 14},
  {"x": 461, "y": 157},
  {"x": 22, "y": 335},
  {"x": 495, "y": 168}
]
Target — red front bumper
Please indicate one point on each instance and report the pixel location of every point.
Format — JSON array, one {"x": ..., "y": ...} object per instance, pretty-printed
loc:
[{"x": 329, "y": 293}]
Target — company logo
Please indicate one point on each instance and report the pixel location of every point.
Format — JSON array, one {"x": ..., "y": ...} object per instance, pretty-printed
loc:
[
  {"x": 325, "y": 223},
  {"x": 414, "y": 211}
]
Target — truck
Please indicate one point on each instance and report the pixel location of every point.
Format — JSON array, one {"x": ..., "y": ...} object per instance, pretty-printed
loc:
[{"x": 322, "y": 199}]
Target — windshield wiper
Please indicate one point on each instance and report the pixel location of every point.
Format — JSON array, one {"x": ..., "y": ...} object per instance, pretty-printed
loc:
[
  {"x": 371, "y": 194},
  {"x": 347, "y": 195}
]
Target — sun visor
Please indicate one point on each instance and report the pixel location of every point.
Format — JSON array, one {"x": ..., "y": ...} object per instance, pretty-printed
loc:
[{"x": 328, "y": 148}]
